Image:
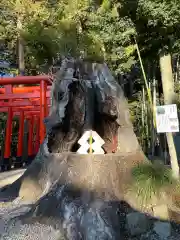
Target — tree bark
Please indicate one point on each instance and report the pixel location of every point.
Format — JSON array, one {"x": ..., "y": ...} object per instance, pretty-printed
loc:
[
  {"x": 111, "y": 121},
  {"x": 80, "y": 194},
  {"x": 168, "y": 91},
  {"x": 20, "y": 47}
]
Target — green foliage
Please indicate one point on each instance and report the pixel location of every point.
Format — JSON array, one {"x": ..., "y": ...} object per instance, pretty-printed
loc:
[
  {"x": 96, "y": 30},
  {"x": 72, "y": 28},
  {"x": 177, "y": 95},
  {"x": 156, "y": 23},
  {"x": 41, "y": 43},
  {"x": 115, "y": 34},
  {"x": 61, "y": 238},
  {"x": 141, "y": 119},
  {"x": 149, "y": 181},
  {"x": 102, "y": 30}
]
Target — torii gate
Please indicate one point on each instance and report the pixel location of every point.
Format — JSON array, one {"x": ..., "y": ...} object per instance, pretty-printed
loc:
[{"x": 28, "y": 102}]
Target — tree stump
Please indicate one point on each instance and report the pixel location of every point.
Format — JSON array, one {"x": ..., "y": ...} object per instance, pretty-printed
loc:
[{"x": 81, "y": 195}]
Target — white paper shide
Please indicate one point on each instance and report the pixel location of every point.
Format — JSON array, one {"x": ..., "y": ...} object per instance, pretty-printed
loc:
[{"x": 96, "y": 145}]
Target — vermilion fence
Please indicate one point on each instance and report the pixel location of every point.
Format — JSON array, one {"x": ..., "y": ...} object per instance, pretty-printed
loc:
[{"x": 28, "y": 99}]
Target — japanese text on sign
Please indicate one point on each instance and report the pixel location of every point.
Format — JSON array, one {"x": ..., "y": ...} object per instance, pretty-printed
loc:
[{"x": 167, "y": 118}]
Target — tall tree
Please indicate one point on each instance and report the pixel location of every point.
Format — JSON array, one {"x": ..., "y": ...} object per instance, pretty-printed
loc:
[
  {"x": 75, "y": 28},
  {"x": 15, "y": 17},
  {"x": 157, "y": 31},
  {"x": 169, "y": 97}
]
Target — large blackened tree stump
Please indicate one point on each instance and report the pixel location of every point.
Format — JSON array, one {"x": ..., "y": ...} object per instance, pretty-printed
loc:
[{"x": 81, "y": 194}]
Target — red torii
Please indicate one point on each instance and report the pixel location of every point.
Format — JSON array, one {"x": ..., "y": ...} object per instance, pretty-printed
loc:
[{"x": 26, "y": 102}]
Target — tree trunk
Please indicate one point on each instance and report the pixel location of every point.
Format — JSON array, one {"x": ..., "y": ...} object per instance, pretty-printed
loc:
[
  {"x": 65, "y": 123},
  {"x": 81, "y": 193},
  {"x": 20, "y": 47},
  {"x": 168, "y": 91}
]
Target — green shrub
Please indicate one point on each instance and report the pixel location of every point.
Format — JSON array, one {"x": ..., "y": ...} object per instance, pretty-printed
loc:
[{"x": 151, "y": 181}]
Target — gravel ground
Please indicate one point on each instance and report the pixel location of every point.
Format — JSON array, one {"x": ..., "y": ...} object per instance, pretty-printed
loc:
[{"x": 14, "y": 230}]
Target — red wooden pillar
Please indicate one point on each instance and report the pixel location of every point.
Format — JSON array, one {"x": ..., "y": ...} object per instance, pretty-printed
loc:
[
  {"x": 30, "y": 136},
  {"x": 7, "y": 150},
  {"x": 33, "y": 141},
  {"x": 20, "y": 135},
  {"x": 43, "y": 108},
  {"x": 37, "y": 143}
]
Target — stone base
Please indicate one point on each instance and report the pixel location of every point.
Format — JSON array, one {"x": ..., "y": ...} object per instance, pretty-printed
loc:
[
  {"x": 161, "y": 212},
  {"x": 141, "y": 227}
]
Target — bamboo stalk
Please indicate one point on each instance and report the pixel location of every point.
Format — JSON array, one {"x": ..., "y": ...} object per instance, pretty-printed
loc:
[
  {"x": 90, "y": 143},
  {"x": 144, "y": 74},
  {"x": 177, "y": 69},
  {"x": 142, "y": 112},
  {"x": 149, "y": 119},
  {"x": 154, "y": 108},
  {"x": 146, "y": 83},
  {"x": 146, "y": 130},
  {"x": 143, "y": 116}
]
